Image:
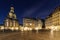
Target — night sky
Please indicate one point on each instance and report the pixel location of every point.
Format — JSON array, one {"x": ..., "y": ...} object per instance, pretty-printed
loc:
[{"x": 27, "y": 8}]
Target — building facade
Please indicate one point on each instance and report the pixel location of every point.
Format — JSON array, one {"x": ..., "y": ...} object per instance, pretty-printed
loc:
[
  {"x": 11, "y": 21},
  {"x": 32, "y": 23},
  {"x": 56, "y": 18},
  {"x": 48, "y": 22},
  {"x": 53, "y": 21},
  {"x": 39, "y": 23}
]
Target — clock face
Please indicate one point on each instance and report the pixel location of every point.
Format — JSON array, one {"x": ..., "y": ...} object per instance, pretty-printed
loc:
[{"x": 30, "y": 23}]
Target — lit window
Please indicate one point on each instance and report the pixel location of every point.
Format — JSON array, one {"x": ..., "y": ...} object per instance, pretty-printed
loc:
[{"x": 30, "y": 23}]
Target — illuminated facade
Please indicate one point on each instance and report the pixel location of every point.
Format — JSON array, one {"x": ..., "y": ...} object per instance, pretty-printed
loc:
[
  {"x": 39, "y": 23},
  {"x": 1, "y": 26},
  {"x": 56, "y": 18},
  {"x": 32, "y": 23},
  {"x": 11, "y": 21},
  {"x": 48, "y": 22},
  {"x": 21, "y": 27},
  {"x": 53, "y": 22}
]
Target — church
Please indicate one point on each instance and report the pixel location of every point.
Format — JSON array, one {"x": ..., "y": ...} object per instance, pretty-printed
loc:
[{"x": 11, "y": 21}]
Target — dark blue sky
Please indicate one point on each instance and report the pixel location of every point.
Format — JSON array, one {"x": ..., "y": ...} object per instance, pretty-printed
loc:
[{"x": 27, "y": 8}]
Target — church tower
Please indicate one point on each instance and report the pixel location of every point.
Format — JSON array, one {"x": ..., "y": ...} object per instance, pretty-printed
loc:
[
  {"x": 11, "y": 21},
  {"x": 11, "y": 13}
]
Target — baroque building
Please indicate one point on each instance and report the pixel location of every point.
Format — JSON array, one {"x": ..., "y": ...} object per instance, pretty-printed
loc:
[{"x": 11, "y": 21}]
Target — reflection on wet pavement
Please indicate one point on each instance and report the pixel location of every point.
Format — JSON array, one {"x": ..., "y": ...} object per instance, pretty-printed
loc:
[{"x": 29, "y": 35}]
